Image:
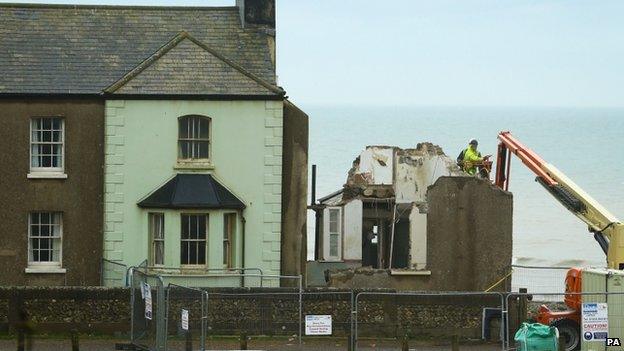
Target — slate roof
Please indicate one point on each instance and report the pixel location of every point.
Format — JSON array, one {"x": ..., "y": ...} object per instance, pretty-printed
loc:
[
  {"x": 186, "y": 66},
  {"x": 83, "y": 49},
  {"x": 192, "y": 191}
]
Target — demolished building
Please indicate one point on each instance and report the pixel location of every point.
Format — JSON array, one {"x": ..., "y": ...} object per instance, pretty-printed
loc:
[{"x": 410, "y": 219}]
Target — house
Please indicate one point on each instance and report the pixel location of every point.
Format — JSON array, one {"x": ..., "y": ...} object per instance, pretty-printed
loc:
[
  {"x": 147, "y": 135},
  {"x": 410, "y": 219}
]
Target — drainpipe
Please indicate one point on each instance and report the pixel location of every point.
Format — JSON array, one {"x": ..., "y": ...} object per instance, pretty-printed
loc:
[
  {"x": 317, "y": 216},
  {"x": 243, "y": 221}
]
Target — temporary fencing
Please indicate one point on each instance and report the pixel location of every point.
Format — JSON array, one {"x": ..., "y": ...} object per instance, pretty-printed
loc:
[
  {"x": 186, "y": 318},
  {"x": 442, "y": 316},
  {"x": 147, "y": 311}
]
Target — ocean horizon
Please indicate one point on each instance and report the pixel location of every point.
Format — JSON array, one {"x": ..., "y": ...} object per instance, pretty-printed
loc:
[{"x": 583, "y": 142}]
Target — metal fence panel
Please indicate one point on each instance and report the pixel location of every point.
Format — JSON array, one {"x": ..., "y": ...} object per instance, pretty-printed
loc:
[
  {"x": 539, "y": 280},
  {"x": 147, "y": 330},
  {"x": 394, "y": 319},
  {"x": 187, "y": 316},
  {"x": 339, "y": 305}
]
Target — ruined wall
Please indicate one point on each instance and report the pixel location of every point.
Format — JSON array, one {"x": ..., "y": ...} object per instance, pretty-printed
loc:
[
  {"x": 469, "y": 227},
  {"x": 469, "y": 242},
  {"x": 294, "y": 191},
  {"x": 417, "y": 168}
]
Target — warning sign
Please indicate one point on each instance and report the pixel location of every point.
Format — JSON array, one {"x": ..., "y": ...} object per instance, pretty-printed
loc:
[
  {"x": 147, "y": 295},
  {"x": 318, "y": 324},
  {"x": 185, "y": 319},
  {"x": 595, "y": 321}
]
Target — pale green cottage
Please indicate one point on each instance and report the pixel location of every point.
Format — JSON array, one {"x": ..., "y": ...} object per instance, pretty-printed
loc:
[{"x": 206, "y": 160}]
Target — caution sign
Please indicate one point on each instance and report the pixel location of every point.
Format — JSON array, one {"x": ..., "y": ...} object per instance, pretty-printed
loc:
[
  {"x": 318, "y": 324},
  {"x": 595, "y": 319}
]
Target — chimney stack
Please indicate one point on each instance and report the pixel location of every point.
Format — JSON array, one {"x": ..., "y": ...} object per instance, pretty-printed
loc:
[{"x": 259, "y": 14}]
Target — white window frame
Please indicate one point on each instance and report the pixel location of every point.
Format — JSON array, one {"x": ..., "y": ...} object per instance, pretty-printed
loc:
[
  {"x": 49, "y": 266},
  {"x": 229, "y": 259},
  {"x": 205, "y": 240},
  {"x": 327, "y": 234},
  {"x": 46, "y": 172},
  {"x": 151, "y": 216},
  {"x": 198, "y": 139}
]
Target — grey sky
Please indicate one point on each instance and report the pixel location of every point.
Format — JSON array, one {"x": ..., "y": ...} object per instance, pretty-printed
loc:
[{"x": 468, "y": 52}]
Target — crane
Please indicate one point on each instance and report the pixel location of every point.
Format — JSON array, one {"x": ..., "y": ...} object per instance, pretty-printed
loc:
[{"x": 607, "y": 230}]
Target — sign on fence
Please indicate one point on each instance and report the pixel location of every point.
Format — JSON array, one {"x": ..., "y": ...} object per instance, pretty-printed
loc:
[
  {"x": 318, "y": 324},
  {"x": 147, "y": 295},
  {"x": 595, "y": 321},
  {"x": 185, "y": 319}
]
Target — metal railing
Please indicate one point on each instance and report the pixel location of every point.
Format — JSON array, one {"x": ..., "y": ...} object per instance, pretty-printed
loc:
[
  {"x": 180, "y": 276},
  {"x": 112, "y": 273}
]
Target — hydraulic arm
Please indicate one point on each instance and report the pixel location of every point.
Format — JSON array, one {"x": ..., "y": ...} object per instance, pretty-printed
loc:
[{"x": 607, "y": 229}]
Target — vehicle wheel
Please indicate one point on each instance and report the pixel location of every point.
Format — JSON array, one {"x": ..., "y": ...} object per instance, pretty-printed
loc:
[{"x": 571, "y": 332}]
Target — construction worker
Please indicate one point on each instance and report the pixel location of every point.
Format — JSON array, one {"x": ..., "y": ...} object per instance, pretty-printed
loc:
[{"x": 470, "y": 158}]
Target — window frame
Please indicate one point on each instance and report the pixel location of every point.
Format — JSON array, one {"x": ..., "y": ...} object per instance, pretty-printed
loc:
[
  {"x": 327, "y": 234},
  {"x": 152, "y": 238},
  {"x": 47, "y": 172},
  {"x": 208, "y": 140},
  {"x": 229, "y": 254},
  {"x": 45, "y": 266},
  {"x": 205, "y": 240}
]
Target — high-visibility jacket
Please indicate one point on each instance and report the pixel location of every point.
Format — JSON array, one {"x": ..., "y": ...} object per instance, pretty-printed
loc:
[{"x": 470, "y": 157}]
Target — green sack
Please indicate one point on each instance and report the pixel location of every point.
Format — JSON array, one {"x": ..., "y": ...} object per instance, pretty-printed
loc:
[{"x": 536, "y": 337}]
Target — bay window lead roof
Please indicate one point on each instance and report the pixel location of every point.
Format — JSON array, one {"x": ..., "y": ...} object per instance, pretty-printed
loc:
[{"x": 200, "y": 191}]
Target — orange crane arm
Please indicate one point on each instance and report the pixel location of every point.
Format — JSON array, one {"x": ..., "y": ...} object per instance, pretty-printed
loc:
[
  {"x": 508, "y": 145},
  {"x": 607, "y": 229}
]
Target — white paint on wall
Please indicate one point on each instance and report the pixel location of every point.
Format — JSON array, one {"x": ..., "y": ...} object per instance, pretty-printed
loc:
[
  {"x": 376, "y": 165},
  {"x": 414, "y": 173},
  {"x": 353, "y": 211},
  {"x": 418, "y": 238}
]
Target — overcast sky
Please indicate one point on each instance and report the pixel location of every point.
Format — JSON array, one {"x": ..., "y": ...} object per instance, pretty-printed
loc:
[{"x": 441, "y": 52}]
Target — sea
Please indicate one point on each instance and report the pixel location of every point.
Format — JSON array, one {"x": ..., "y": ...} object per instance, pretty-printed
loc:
[{"x": 585, "y": 143}]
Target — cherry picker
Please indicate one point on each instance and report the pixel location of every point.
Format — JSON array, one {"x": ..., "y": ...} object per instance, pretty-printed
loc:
[{"x": 607, "y": 230}]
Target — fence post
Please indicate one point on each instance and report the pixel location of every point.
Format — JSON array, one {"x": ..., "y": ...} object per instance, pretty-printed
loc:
[
  {"x": 300, "y": 312},
  {"x": 455, "y": 342},
  {"x": 522, "y": 306},
  {"x": 405, "y": 343},
  {"x": 74, "y": 340},
  {"x": 189, "y": 341},
  {"x": 243, "y": 341},
  {"x": 350, "y": 346}
]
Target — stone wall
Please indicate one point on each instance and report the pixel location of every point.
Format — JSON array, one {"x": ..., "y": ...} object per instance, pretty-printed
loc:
[
  {"x": 253, "y": 311},
  {"x": 61, "y": 309}
]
